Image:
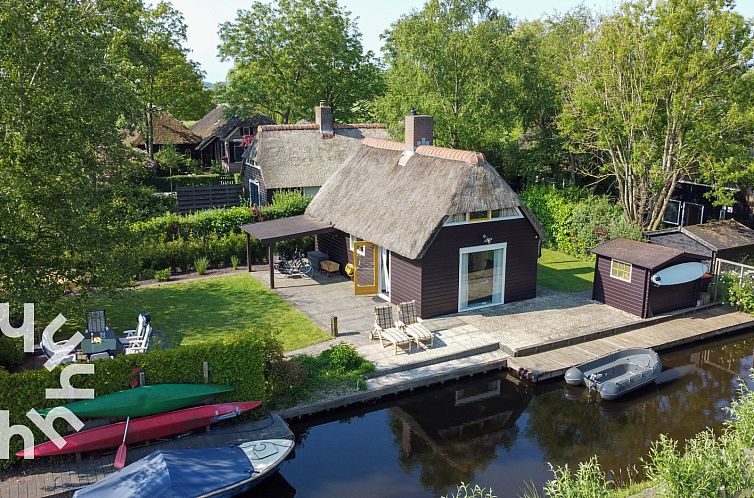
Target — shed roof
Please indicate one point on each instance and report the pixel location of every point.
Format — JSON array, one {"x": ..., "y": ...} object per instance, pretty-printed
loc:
[
  {"x": 294, "y": 227},
  {"x": 399, "y": 201},
  {"x": 722, "y": 235},
  {"x": 642, "y": 254},
  {"x": 678, "y": 240},
  {"x": 300, "y": 155}
]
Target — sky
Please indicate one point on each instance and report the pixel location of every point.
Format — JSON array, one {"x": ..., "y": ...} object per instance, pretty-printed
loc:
[{"x": 204, "y": 16}]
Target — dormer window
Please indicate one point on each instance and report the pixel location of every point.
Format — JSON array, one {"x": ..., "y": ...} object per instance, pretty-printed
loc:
[{"x": 483, "y": 216}]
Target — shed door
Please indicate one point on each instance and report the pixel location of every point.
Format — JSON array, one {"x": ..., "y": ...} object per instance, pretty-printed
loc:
[{"x": 365, "y": 268}]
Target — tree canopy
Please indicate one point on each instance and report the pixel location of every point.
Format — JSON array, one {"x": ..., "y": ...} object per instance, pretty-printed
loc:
[
  {"x": 291, "y": 54},
  {"x": 660, "y": 91},
  {"x": 62, "y": 164}
]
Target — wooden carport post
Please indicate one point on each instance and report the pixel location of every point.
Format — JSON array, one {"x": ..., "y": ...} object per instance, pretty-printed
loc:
[
  {"x": 248, "y": 251},
  {"x": 272, "y": 266}
]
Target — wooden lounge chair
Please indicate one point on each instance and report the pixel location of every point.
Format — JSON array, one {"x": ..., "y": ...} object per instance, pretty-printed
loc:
[
  {"x": 141, "y": 345},
  {"x": 96, "y": 322},
  {"x": 412, "y": 324},
  {"x": 386, "y": 331},
  {"x": 131, "y": 336},
  {"x": 51, "y": 349}
]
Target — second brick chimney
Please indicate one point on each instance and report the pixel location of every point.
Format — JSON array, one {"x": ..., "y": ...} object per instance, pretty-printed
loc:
[
  {"x": 323, "y": 117},
  {"x": 418, "y": 130}
]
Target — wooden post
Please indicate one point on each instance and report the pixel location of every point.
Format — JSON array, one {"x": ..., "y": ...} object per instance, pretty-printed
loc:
[
  {"x": 272, "y": 266},
  {"x": 248, "y": 251},
  {"x": 205, "y": 370},
  {"x": 334, "y": 326}
]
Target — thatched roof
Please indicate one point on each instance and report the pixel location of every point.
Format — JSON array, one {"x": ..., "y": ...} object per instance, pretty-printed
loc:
[
  {"x": 167, "y": 130},
  {"x": 400, "y": 202},
  {"x": 216, "y": 124},
  {"x": 300, "y": 155}
]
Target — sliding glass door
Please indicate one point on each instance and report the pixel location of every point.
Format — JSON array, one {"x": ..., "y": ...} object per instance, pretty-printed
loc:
[{"x": 481, "y": 276}]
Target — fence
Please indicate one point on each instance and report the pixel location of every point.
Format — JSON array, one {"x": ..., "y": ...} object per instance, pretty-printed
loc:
[
  {"x": 211, "y": 196},
  {"x": 724, "y": 267}
]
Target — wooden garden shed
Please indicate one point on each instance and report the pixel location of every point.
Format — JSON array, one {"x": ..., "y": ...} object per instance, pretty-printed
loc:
[
  {"x": 622, "y": 277},
  {"x": 727, "y": 239}
]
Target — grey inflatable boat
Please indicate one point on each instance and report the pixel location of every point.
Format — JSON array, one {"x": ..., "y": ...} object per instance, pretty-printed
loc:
[{"x": 618, "y": 373}]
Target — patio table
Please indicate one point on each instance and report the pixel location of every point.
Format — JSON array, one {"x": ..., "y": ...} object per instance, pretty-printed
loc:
[{"x": 108, "y": 343}]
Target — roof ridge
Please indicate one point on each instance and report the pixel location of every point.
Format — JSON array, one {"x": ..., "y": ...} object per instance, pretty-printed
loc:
[
  {"x": 359, "y": 125},
  {"x": 467, "y": 156},
  {"x": 381, "y": 143},
  {"x": 288, "y": 127}
]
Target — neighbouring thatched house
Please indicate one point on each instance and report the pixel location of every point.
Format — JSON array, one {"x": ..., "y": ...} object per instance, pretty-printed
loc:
[
  {"x": 431, "y": 224},
  {"x": 301, "y": 156},
  {"x": 726, "y": 239},
  {"x": 224, "y": 138},
  {"x": 167, "y": 131},
  {"x": 622, "y": 277}
]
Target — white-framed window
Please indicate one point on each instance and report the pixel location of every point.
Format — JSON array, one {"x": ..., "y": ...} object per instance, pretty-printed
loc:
[
  {"x": 245, "y": 131},
  {"x": 620, "y": 270},
  {"x": 483, "y": 216},
  {"x": 672, "y": 214},
  {"x": 362, "y": 250}
]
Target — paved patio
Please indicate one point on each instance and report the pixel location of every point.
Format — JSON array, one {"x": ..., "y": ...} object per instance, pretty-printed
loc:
[{"x": 550, "y": 316}]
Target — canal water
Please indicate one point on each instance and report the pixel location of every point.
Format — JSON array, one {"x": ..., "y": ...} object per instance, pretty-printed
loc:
[{"x": 495, "y": 432}]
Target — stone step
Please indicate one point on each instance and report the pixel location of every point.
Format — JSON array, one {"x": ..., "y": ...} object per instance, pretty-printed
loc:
[{"x": 418, "y": 358}]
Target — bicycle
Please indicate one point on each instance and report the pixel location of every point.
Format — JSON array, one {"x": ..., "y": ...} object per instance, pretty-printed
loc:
[{"x": 295, "y": 264}]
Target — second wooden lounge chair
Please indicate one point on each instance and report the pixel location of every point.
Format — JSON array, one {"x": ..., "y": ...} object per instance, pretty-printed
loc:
[
  {"x": 412, "y": 324},
  {"x": 385, "y": 329}
]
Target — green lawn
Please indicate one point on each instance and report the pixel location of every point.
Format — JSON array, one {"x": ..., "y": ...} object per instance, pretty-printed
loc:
[
  {"x": 561, "y": 272},
  {"x": 203, "y": 310}
]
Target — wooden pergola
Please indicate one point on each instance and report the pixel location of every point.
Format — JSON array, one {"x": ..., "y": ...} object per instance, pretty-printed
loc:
[{"x": 269, "y": 232}]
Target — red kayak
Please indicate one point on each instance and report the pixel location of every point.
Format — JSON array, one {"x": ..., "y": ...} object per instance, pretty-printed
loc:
[{"x": 142, "y": 429}]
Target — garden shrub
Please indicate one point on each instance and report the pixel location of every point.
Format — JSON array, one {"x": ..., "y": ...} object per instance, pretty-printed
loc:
[
  {"x": 575, "y": 221},
  {"x": 737, "y": 292},
  {"x": 182, "y": 254},
  {"x": 164, "y": 274},
  {"x": 201, "y": 265},
  {"x": 11, "y": 352},
  {"x": 239, "y": 360}
]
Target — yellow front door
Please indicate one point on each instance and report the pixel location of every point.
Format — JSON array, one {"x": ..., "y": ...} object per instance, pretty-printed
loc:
[{"x": 365, "y": 268}]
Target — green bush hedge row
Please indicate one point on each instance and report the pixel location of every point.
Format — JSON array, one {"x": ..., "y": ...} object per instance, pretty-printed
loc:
[
  {"x": 240, "y": 360},
  {"x": 164, "y": 183},
  {"x": 219, "y": 221},
  {"x": 11, "y": 352},
  {"x": 575, "y": 221}
]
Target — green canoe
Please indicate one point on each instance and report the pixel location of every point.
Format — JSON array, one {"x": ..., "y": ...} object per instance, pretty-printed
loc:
[{"x": 145, "y": 400}]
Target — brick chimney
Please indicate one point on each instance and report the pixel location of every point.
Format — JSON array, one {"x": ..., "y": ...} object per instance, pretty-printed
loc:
[
  {"x": 418, "y": 130},
  {"x": 323, "y": 117}
]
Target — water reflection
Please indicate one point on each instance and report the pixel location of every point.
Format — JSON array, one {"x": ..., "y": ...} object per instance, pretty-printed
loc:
[{"x": 498, "y": 433}]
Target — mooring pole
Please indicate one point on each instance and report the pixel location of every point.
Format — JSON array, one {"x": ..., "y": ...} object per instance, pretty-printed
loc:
[{"x": 248, "y": 251}]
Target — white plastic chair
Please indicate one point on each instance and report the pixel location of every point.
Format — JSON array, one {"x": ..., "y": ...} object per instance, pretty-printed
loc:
[{"x": 51, "y": 348}]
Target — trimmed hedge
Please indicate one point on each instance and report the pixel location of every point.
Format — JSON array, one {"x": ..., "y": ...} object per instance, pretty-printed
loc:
[
  {"x": 219, "y": 221},
  {"x": 11, "y": 352},
  {"x": 163, "y": 183},
  {"x": 575, "y": 221},
  {"x": 242, "y": 360}
]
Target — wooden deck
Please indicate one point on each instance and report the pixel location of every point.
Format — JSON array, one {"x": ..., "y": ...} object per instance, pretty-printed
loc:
[
  {"x": 61, "y": 475},
  {"x": 706, "y": 323}
]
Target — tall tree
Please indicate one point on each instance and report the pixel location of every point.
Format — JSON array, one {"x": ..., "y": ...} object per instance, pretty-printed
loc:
[
  {"x": 448, "y": 60},
  {"x": 290, "y": 54},
  {"x": 61, "y": 96},
  {"x": 662, "y": 90},
  {"x": 157, "y": 65}
]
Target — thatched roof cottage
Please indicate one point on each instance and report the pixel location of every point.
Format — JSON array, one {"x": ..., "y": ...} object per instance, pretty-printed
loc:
[
  {"x": 167, "y": 130},
  {"x": 301, "y": 156},
  {"x": 431, "y": 224},
  {"x": 224, "y": 138}
]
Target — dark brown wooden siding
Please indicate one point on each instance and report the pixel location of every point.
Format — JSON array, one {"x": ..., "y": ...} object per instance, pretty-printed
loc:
[
  {"x": 405, "y": 281},
  {"x": 672, "y": 297},
  {"x": 335, "y": 245},
  {"x": 626, "y": 296},
  {"x": 440, "y": 263}
]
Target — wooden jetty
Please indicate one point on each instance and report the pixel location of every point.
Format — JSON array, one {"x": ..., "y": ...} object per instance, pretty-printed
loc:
[
  {"x": 685, "y": 329},
  {"x": 62, "y": 475}
]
